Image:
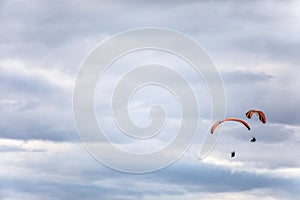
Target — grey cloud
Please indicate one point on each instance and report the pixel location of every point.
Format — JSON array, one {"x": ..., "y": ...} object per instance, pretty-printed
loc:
[
  {"x": 177, "y": 179},
  {"x": 275, "y": 48},
  {"x": 61, "y": 34},
  {"x": 45, "y": 31},
  {"x": 275, "y": 134},
  {"x": 264, "y": 92},
  {"x": 73, "y": 173},
  {"x": 241, "y": 77},
  {"x": 26, "y": 84},
  {"x": 214, "y": 179},
  {"x": 6, "y": 148},
  {"x": 34, "y": 108}
]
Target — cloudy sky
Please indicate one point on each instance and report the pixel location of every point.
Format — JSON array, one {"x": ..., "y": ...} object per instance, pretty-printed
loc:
[{"x": 255, "y": 46}]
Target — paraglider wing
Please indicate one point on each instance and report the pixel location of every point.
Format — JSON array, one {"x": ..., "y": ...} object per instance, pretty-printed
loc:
[
  {"x": 260, "y": 114},
  {"x": 229, "y": 119}
]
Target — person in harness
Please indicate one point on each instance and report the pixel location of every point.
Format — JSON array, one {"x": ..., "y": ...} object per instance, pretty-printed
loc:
[{"x": 232, "y": 154}]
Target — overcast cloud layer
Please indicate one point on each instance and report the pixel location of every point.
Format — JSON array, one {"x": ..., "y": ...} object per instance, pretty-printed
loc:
[{"x": 254, "y": 45}]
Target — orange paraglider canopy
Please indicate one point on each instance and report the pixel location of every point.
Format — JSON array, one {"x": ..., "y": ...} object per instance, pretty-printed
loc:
[
  {"x": 260, "y": 114},
  {"x": 229, "y": 119}
]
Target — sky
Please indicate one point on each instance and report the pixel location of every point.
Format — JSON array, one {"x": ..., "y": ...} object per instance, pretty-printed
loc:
[{"x": 255, "y": 47}]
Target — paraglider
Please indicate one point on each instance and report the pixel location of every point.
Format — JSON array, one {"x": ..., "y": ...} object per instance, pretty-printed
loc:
[
  {"x": 260, "y": 114},
  {"x": 226, "y": 120},
  {"x": 261, "y": 117},
  {"x": 249, "y": 115},
  {"x": 229, "y": 119}
]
